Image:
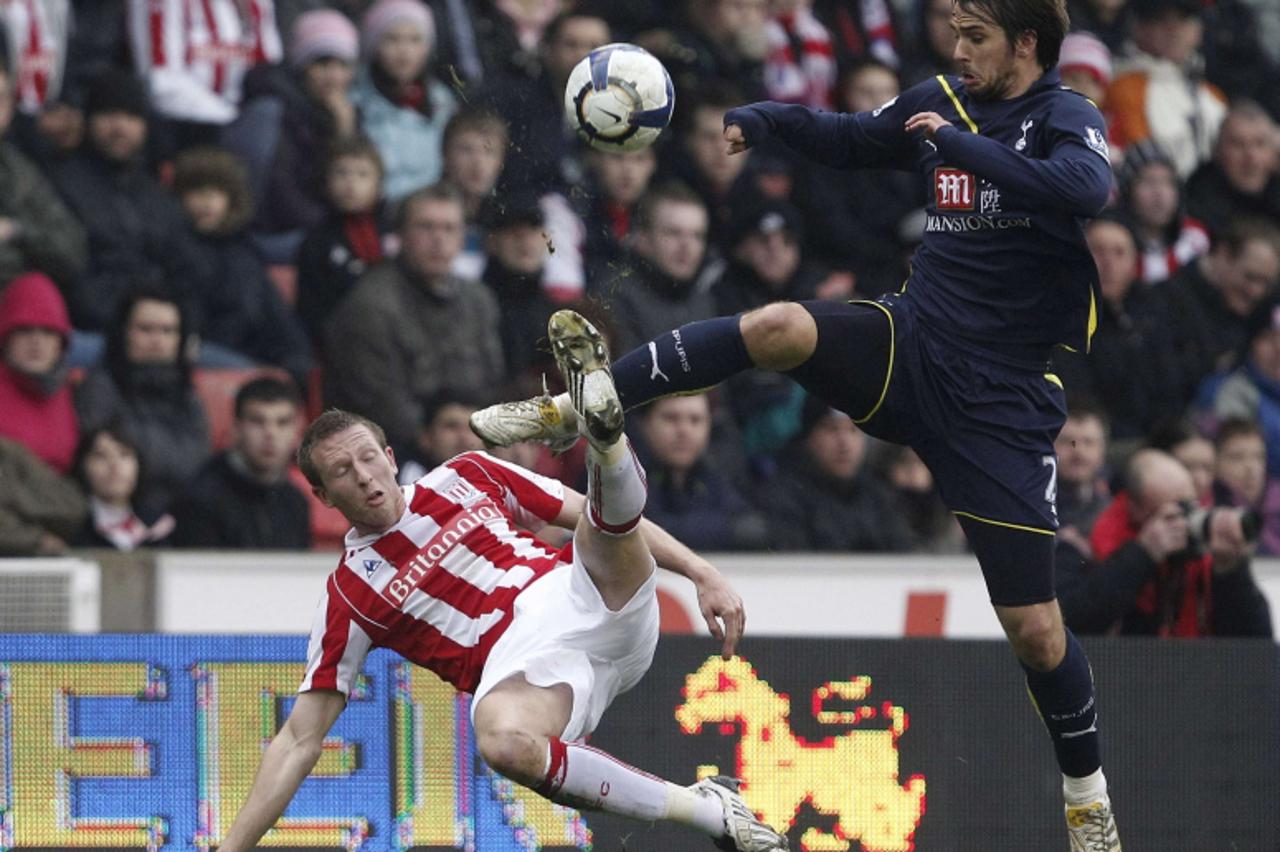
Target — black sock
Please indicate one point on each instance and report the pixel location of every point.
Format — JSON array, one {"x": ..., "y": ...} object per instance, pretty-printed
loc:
[
  {"x": 691, "y": 358},
  {"x": 1066, "y": 703}
]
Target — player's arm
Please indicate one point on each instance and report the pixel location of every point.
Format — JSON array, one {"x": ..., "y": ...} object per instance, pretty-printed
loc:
[
  {"x": 1074, "y": 178},
  {"x": 287, "y": 761},
  {"x": 838, "y": 139},
  {"x": 720, "y": 605}
]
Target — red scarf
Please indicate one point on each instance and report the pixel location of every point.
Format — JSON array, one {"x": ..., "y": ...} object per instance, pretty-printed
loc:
[
  {"x": 1180, "y": 597},
  {"x": 361, "y": 230}
]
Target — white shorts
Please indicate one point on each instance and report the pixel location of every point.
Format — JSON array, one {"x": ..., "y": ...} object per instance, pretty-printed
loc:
[{"x": 562, "y": 632}]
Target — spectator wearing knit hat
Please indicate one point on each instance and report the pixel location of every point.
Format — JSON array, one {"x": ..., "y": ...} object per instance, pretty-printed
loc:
[
  {"x": 133, "y": 224},
  {"x": 1158, "y": 92},
  {"x": 34, "y": 396},
  {"x": 403, "y": 109},
  {"x": 238, "y": 307},
  {"x": 1152, "y": 195},
  {"x": 291, "y": 114},
  {"x": 1085, "y": 65}
]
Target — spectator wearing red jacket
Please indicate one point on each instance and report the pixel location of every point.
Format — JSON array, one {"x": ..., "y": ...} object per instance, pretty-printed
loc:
[
  {"x": 1160, "y": 567},
  {"x": 36, "y": 409}
]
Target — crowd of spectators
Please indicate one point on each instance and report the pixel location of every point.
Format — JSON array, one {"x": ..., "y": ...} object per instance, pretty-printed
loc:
[{"x": 377, "y": 203}]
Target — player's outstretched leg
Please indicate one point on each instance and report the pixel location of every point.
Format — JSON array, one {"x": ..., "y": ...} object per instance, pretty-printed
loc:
[
  {"x": 609, "y": 544},
  {"x": 691, "y": 358}
]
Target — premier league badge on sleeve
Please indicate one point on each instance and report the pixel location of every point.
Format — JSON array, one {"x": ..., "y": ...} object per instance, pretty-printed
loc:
[{"x": 1097, "y": 142}]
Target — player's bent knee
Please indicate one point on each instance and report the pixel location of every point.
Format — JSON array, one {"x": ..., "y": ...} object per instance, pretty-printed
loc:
[
  {"x": 517, "y": 754},
  {"x": 1037, "y": 636},
  {"x": 779, "y": 336}
]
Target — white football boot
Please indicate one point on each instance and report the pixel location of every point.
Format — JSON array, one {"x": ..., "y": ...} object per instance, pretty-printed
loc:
[{"x": 742, "y": 831}]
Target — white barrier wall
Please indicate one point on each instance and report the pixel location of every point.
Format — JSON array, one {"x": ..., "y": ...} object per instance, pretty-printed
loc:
[{"x": 791, "y": 595}]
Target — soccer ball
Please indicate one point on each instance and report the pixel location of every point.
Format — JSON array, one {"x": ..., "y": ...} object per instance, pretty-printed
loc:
[{"x": 619, "y": 98}]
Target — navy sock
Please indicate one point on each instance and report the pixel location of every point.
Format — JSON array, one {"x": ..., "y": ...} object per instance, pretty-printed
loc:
[
  {"x": 691, "y": 358},
  {"x": 1065, "y": 700}
]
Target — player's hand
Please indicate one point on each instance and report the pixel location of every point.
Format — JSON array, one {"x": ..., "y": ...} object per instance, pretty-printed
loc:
[
  {"x": 929, "y": 122},
  {"x": 720, "y": 603},
  {"x": 737, "y": 140}
]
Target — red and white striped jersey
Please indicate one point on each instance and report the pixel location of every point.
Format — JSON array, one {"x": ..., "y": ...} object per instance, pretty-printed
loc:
[
  {"x": 439, "y": 586},
  {"x": 194, "y": 53},
  {"x": 37, "y": 32}
]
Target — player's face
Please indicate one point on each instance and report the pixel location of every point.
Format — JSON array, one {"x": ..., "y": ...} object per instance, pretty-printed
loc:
[
  {"x": 1248, "y": 152},
  {"x": 1116, "y": 256},
  {"x": 353, "y": 184},
  {"x": 359, "y": 480},
  {"x": 111, "y": 469},
  {"x": 838, "y": 446},
  {"x": 33, "y": 351},
  {"x": 473, "y": 161},
  {"x": 449, "y": 433},
  {"x": 984, "y": 55},
  {"x": 267, "y": 434},
  {"x": 1200, "y": 459},
  {"x": 1242, "y": 466},
  {"x": 154, "y": 333},
  {"x": 432, "y": 236},
  {"x": 1081, "y": 446},
  {"x": 624, "y": 175},
  {"x": 677, "y": 239},
  {"x": 678, "y": 430},
  {"x": 402, "y": 52}
]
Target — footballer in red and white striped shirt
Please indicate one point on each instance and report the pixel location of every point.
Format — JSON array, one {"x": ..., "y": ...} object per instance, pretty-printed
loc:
[{"x": 442, "y": 572}]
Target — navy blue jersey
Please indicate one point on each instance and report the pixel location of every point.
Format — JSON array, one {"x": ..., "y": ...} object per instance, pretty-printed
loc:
[{"x": 1003, "y": 263}]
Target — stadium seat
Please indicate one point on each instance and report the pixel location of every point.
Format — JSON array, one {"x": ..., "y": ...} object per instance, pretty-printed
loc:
[{"x": 217, "y": 387}]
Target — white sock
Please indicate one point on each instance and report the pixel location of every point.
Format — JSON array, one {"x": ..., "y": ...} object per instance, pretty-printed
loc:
[
  {"x": 580, "y": 776},
  {"x": 1082, "y": 791},
  {"x": 616, "y": 488}
]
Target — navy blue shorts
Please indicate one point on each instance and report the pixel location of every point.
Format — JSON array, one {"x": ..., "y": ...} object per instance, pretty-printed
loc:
[{"x": 984, "y": 427}]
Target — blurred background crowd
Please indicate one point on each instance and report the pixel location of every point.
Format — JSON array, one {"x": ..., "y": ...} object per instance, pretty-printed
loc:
[{"x": 219, "y": 216}]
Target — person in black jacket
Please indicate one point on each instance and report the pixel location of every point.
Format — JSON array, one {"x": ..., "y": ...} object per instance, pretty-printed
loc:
[
  {"x": 134, "y": 226},
  {"x": 354, "y": 236},
  {"x": 1160, "y": 566},
  {"x": 826, "y": 498},
  {"x": 237, "y": 306},
  {"x": 243, "y": 497}
]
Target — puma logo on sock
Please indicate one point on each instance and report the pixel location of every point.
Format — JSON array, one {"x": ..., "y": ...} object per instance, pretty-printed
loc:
[{"x": 656, "y": 371}]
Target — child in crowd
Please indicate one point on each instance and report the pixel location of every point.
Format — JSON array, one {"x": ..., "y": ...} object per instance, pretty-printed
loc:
[
  {"x": 237, "y": 306},
  {"x": 1241, "y": 479},
  {"x": 355, "y": 235},
  {"x": 108, "y": 468},
  {"x": 402, "y": 108}
]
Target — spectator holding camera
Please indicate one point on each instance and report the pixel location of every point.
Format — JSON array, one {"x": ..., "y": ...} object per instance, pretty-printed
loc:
[
  {"x": 1241, "y": 479},
  {"x": 1161, "y": 565}
]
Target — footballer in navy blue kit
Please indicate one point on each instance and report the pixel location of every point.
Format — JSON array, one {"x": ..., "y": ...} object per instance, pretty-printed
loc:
[{"x": 955, "y": 364}]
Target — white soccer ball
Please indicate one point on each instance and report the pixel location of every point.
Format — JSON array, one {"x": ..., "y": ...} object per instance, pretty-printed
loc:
[{"x": 619, "y": 97}]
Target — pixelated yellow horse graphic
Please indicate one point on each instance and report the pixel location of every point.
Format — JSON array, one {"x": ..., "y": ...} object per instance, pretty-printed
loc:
[{"x": 852, "y": 776}]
